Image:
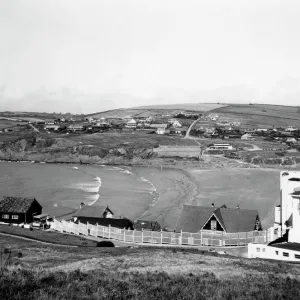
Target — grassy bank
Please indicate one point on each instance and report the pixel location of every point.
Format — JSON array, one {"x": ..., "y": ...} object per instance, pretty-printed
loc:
[
  {"x": 51, "y": 272},
  {"x": 47, "y": 236}
]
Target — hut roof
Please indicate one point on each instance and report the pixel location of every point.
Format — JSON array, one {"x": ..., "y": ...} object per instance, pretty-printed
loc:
[
  {"x": 92, "y": 211},
  {"x": 117, "y": 223},
  {"x": 15, "y": 204}
]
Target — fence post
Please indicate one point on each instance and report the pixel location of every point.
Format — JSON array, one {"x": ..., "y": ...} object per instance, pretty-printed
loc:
[
  {"x": 142, "y": 235},
  {"x": 161, "y": 237},
  {"x": 124, "y": 235},
  {"x": 201, "y": 238}
]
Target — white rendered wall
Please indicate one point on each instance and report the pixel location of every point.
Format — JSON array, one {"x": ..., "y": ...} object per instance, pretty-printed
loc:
[
  {"x": 287, "y": 202},
  {"x": 267, "y": 252}
]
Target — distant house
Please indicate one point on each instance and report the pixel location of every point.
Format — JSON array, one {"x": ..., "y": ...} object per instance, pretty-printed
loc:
[
  {"x": 247, "y": 136},
  {"x": 230, "y": 220},
  {"x": 101, "y": 215},
  {"x": 19, "y": 210},
  {"x": 75, "y": 128},
  {"x": 94, "y": 211},
  {"x": 147, "y": 225},
  {"x": 291, "y": 128},
  {"x": 131, "y": 124},
  {"x": 220, "y": 147},
  {"x": 51, "y": 127}
]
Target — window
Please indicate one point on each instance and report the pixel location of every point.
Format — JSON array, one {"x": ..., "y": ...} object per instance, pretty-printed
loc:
[
  {"x": 213, "y": 225},
  {"x": 276, "y": 231},
  {"x": 285, "y": 254},
  {"x": 276, "y": 252},
  {"x": 15, "y": 217},
  {"x": 297, "y": 256},
  {"x": 257, "y": 249},
  {"x": 264, "y": 249},
  {"x": 5, "y": 216}
]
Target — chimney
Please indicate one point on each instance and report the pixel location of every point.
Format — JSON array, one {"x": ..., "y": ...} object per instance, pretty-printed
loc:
[
  {"x": 237, "y": 206},
  {"x": 212, "y": 205}
]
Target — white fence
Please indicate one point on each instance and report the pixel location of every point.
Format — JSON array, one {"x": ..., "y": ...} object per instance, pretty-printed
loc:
[{"x": 203, "y": 238}]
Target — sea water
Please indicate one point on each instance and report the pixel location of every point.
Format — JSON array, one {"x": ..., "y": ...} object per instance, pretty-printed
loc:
[{"x": 61, "y": 188}]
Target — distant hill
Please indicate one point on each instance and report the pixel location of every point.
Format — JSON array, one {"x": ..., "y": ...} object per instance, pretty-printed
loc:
[
  {"x": 261, "y": 114},
  {"x": 157, "y": 109}
]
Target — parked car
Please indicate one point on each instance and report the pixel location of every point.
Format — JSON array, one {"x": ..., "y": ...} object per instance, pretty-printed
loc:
[{"x": 42, "y": 221}]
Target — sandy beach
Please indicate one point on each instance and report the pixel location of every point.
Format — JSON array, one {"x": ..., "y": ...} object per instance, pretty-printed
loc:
[{"x": 249, "y": 188}]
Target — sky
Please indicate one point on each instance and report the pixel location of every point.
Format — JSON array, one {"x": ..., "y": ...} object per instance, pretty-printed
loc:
[{"x": 88, "y": 56}]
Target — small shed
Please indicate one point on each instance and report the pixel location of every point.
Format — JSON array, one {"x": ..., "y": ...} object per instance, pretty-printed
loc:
[{"x": 19, "y": 210}]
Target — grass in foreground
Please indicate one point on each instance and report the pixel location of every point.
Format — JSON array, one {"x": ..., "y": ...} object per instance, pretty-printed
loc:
[
  {"x": 102, "y": 284},
  {"x": 52, "y": 272}
]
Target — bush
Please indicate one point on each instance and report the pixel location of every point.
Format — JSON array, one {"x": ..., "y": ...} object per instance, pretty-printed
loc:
[
  {"x": 281, "y": 154},
  {"x": 105, "y": 244}
]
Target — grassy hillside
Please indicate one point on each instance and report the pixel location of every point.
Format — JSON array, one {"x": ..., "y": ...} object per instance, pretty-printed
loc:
[
  {"x": 145, "y": 111},
  {"x": 52, "y": 272},
  {"x": 261, "y": 114}
]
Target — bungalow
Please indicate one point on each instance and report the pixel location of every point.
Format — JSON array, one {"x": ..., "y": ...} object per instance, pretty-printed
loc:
[
  {"x": 75, "y": 128},
  {"x": 101, "y": 215},
  {"x": 220, "y": 147},
  {"x": 19, "y": 210},
  {"x": 230, "y": 220},
  {"x": 93, "y": 211},
  {"x": 131, "y": 124}
]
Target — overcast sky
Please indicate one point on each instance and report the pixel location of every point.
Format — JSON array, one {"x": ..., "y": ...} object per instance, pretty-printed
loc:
[{"x": 88, "y": 56}]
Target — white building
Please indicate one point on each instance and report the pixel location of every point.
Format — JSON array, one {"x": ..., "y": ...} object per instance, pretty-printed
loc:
[
  {"x": 287, "y": 213},
  {"x": 220, "y": 147},
  {"x": 131, "y": 124},
  {"x": 291, "y": 128}
]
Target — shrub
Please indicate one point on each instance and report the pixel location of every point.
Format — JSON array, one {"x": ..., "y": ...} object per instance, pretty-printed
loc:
[{"x": 105, "y": 244}]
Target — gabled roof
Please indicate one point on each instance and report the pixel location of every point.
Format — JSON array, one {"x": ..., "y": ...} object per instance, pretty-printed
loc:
[
  {"x": 193, "y": 218},
  {"x": 15, "y": 204},
  {"x": 92, "y": 211}
]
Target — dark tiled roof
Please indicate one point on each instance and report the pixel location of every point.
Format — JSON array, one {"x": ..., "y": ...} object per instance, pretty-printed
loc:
[
  {"x": 287, "y": 246},
  {"x": 15, "y": 204},
  {"x": 147, "y": 225},
  {"x": 193, "y": 218},
  {"x": 92, "y": 211},
  {"x": 117, "y": 223}
]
